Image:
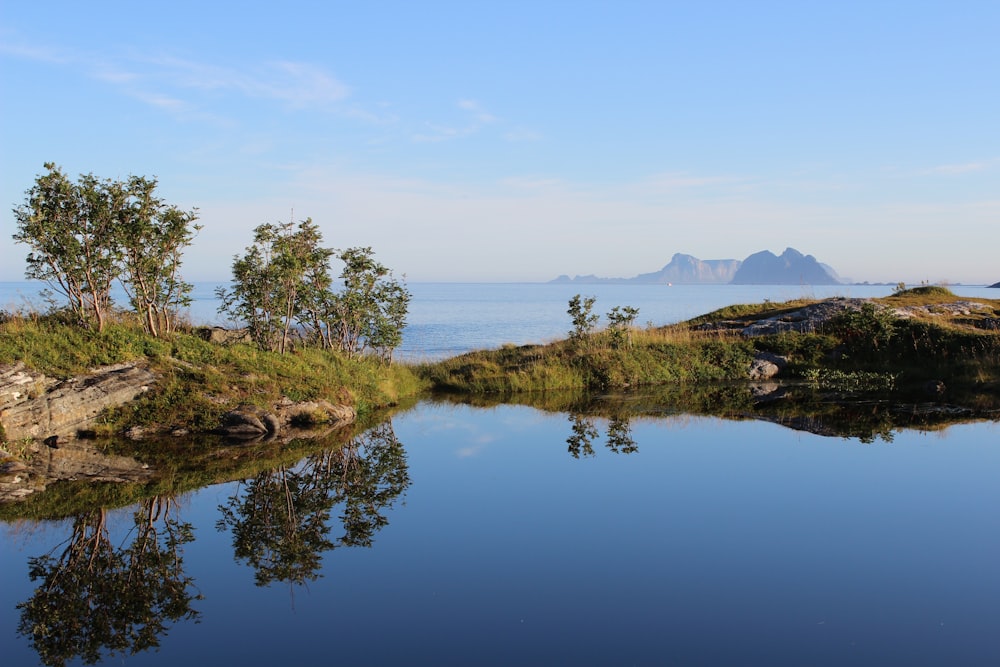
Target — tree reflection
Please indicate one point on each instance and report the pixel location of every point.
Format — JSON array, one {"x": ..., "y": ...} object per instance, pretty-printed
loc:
[
  {"x": 584, "y": 432},
  {"x": 280, "y": 519},
  {"x": 96, "y": 599},
  {"x": 620, "y": 436}
]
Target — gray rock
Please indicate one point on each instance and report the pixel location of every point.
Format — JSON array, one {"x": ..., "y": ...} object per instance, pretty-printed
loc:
[
  {"x": 19, "y": 384},
  {"x": 766, "y": 365},
  {"x": 242, "y": 423},
  {"x": 69, "y": 407}
]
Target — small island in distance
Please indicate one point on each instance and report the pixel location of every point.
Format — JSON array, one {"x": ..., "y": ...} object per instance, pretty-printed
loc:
[{"x": 762, "y": 268}]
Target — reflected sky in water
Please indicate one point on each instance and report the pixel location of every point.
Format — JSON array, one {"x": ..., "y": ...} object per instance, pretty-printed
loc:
[{"x": 714, "y": 542}]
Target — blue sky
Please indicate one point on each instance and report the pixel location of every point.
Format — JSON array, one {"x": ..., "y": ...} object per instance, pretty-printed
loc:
[{"x": 516, "y": 141}]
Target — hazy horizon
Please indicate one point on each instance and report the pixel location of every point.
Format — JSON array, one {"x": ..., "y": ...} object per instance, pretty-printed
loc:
[{"x": 517, "y": 142}]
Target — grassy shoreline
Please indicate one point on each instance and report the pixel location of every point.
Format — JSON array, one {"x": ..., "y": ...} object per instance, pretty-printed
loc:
[
  {"x": 861, "y": 374},
  {"x": 913, "y": 336},
  {"x": 200, "y": 380}
]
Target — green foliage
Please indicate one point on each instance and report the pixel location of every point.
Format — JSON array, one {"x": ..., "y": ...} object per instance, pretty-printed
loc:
[
  {"x": 283, "y": 275},
  {"x": 282, "y": 285},
  {"x": 863, "y": 332},
  {"x": 153, "y": 237},
  {"x": 584, "y": 321},
  {"x": 85, "y": 235},
  {"x": 370, "y": 311},
  {"x": 70, "y": 230},
  {"x": 620, "y": 322}
]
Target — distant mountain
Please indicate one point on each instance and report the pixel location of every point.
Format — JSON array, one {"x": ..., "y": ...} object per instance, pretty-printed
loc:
[
  {"x": 765, "y": 268},
  {"x": 687, "y": 269},
  {"x": 995, "y": 285},
  {"x": 791, "y": 268}
]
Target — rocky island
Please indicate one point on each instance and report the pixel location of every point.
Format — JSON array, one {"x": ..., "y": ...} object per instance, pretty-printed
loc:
[{"x": 762, "y": 268}]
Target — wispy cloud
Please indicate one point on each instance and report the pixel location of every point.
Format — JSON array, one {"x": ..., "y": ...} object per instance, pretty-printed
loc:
[
  {"x": 519, "y": 134},
  {"x": 295, "y": 83},
  {"x": 40, "y": 53},
  {"x": 963, "y": 168},
  {"x": 475, "y": 118},
  {"x": 481, "y": 115},
  {"x": 169, "y": 83}
]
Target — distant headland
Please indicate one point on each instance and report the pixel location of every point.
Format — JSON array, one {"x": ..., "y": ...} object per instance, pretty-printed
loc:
[{"x": 762, "y": 268}]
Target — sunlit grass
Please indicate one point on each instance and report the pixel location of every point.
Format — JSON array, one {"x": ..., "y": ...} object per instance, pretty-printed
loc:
[{"x": 199, "y": 380}]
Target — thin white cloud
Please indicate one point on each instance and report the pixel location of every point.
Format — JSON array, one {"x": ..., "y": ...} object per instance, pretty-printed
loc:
[
  {"x": 295, "y": 83},
  {"x": 519, "y": 134},
  {"x": 477, "y": 118},
  {"x": 164, "y": 102},
  {"x": 481, "y": 115},
  {"x": 166, "y": 82},
  {"x": 963, "y": 168},
  {"x": 18, "y": 49}
]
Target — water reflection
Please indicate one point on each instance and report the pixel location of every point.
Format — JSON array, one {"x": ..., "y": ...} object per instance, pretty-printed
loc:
[
  {"x": 862, "y": 415},
  {"x": 280, "y": 519},
  {"x": 583, "y": 432},
  {"x": 95, "y": 598},
  {"x": 746, "y": 544}
]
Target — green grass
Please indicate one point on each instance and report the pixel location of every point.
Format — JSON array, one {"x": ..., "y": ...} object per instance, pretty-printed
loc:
[
  {"x": 200, "y": 380},
  {"x": 656, "y": 356},
  {"x": 865, "y": 344}
]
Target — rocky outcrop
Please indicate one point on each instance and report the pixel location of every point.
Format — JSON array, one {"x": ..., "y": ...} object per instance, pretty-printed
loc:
[
  {"x": 286, "y": 420},
  {"x": 807, "y": 319},
  {"x": 35, "y": 407},
  {"x": 18, "y": 384}
]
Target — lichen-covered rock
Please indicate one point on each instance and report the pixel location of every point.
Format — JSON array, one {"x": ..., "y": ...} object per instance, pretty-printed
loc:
[
  {"x": 64, "y": 409},
  {"x": 19, "y": 384}
]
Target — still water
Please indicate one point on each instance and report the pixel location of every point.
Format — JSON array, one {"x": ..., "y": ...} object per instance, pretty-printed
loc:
[
  {"x": 488, "y": 536},
  {"x": 460, "y": 535}
]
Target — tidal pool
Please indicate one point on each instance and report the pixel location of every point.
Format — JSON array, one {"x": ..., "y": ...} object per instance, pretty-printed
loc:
[{"x": 457, "y": 535}]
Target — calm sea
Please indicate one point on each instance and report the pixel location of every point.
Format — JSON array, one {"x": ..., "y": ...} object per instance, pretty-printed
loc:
[{"x": 450, "y": 318}]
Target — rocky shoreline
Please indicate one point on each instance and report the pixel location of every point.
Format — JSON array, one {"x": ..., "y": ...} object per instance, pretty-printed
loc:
[{"x": 51, "y": 422}]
